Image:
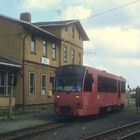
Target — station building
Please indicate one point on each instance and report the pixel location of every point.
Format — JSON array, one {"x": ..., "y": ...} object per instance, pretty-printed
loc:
[{"x": 32, "y": 52}]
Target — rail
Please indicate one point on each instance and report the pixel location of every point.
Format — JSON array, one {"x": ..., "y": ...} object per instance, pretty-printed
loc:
[{"x": 119, "y": 133}]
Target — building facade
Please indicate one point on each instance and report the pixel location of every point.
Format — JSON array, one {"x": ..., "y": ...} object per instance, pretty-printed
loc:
[
  {"x": 72, "y": 36},
  {"x": 31, "y": 55}
]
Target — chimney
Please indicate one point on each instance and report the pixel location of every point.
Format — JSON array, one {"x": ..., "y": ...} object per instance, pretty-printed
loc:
[{"x": 25, "y": 16}]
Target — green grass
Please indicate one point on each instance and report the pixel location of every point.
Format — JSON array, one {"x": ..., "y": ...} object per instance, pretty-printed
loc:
[{"x": 4, "y": 114}]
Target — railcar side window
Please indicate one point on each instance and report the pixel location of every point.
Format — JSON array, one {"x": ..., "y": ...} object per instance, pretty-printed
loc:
[
  {"x": 119, "y": 89},
  {"x": 106, "y": 84},
  {"x": 122, "y": 87},
  {"x": 88, "y": 82}
]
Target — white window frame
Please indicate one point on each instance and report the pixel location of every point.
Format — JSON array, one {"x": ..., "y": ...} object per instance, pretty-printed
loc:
[
  {"x": 43, "y": 88},
  {"x": 53, "y": 51},
  {"x": 44, "y": 48},
  {"x": 65, "y": 54},
  {"x": 3, "y": 86},
  {"x": 33, "y": 44},
  {"x": 72, "y": 56},
  {"x": 7, "y": 83},
  {"x": 34, "y": 84}
]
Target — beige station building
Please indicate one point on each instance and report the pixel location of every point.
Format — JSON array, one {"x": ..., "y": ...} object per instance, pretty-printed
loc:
[{"x": 29, "y": 55}]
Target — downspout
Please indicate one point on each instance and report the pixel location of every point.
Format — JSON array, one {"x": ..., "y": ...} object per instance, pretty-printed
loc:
[{"x": 23, "y": 68}]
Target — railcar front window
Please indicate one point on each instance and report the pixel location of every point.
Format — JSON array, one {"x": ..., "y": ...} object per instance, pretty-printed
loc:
[
  {"x": 68, "y": 84},
  {"x": 69, "y": 80}
]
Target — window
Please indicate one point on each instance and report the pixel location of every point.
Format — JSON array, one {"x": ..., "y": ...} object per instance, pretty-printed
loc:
[
  {"x": 2, "y": 83},
  {"x": 53, "y": 51},
  {"x": 65, "y": 54},
  {"x": 73, "y": 32},
  {"x": 79, "y": 58},
  {"x": 66, "y": 28},
  {"x": 88, "y": 82},
  {"x": 32, "y": 83},
  {"x": 43, "y": 84},
  {"x": 69, "y": 78},
  {"x": 44, "y": 49},
  {"x": 119, "y": 89},
  {"x": 6, "y": 83},
  {"x": 72, "y": 56},
  {"x": 122, "y": 87},
  {"x": 52, "y": 81},
  {"x": 106, "y": 84},
  {"x": 33, "y": 44}
]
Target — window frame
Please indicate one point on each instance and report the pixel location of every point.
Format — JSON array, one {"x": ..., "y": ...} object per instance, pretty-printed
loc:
[
  {"x": 88, "y": 82},
  {"x": 34, "y": 84},
  {"x": 65, "y": 54},
  {"x": 72, "y": 56},
  {"x": 33, "y": 44},
  {"x": 7, "y": 75},
  {"x": 4, "y": 85},
  {"x": 54, "y": 51},
  {"x": 66, "y": 28},
  {"x": 45, "y": 86},
  {"x": 44, "y": 48},
  {"x": 123, "y": 84},
  {"x": 79, "y": 58},
  {"x": 106, "y": 84},
  {"x": 73, "y": 32}
]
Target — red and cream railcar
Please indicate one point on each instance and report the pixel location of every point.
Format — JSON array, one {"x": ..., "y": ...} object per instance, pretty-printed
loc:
[{"x": 83, "y": 91}]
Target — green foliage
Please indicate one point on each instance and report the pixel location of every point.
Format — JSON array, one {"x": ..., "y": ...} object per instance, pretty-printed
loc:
[
  {"x": 4, "y": 114},
  {"x": 16, "y": 113}
]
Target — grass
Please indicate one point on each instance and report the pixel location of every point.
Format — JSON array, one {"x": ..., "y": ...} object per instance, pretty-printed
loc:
[{"x": 4, "y": 114}]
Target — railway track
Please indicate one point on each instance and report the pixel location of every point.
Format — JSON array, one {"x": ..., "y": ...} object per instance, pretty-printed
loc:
[
  {"x": 126, "y": 132},
  {"x": 29, "y": 132},
  {"x": 132, "y": 136}
]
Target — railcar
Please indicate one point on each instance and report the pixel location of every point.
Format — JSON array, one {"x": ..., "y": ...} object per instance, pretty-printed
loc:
[{"x": 83, "y": 91}]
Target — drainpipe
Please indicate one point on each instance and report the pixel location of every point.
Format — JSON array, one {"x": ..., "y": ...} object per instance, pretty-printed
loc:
[{"x": 23, "y": 68}]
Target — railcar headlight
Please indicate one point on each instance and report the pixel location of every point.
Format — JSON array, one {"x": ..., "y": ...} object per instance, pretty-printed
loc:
[
  {"x": 77, "y": 97},
  {"x": 57, "y": 96}
]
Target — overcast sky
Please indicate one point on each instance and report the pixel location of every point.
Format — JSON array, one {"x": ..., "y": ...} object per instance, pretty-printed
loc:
[{"x": 114, "y": 34}]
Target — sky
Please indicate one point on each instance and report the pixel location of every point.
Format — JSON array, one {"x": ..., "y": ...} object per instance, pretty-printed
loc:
[{"x": 113, "y": 28}]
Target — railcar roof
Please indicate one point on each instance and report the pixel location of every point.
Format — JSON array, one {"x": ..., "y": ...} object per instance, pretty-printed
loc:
[
  {"x": 100, "y": 72},
  {"x": 105, "y": 73}
]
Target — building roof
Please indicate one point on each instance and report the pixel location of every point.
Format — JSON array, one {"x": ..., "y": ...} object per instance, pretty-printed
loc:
[
  {"x": 9, "y": 63},
  {"x": 55, "y": 23},
  {"x": 64, "y": 23},
  {"x": 29, "y": 25},
  {"x": 37, "y": 26}
]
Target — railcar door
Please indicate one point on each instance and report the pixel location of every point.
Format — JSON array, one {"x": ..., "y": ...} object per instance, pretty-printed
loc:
[
  {"x": 88, "y": 83},
  {"x": 89, "y": 99}
]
